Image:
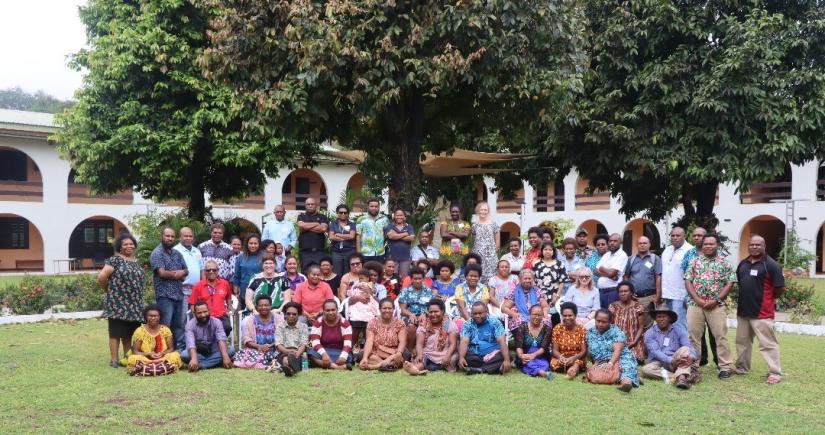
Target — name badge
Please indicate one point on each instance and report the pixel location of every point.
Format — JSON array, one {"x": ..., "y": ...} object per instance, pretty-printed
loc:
[
  {"x": 346, "y": 228},
  {"x": 666, "y": 342},
  {"x": 393, "y": 281},
  {"x": 754, "y": 272},
  {"x": 648, "y": 264}
]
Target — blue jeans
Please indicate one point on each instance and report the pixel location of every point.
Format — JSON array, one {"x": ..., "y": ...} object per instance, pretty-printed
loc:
[
  {"x": 174, "y": 316},
  {"x": 340, "y": 264},
  {"x": 680, "y": 308},
  {"x": 212, "y": 360}
]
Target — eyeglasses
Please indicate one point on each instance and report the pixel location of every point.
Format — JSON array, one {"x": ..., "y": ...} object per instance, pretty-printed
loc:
[
  {"x": 584, "y": 277},
  {"x": 343, "y": 212},
  {"x": 210, "y": 270},
  {"x": 355, "y": 264},
  {"x": 290, "y": 314}
]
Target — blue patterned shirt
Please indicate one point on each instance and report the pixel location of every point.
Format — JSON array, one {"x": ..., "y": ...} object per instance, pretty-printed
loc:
[
  {"x": 483, "y": 337},
  {"x": 416, "y": 301},
  {"x": 170, "y": 260}
]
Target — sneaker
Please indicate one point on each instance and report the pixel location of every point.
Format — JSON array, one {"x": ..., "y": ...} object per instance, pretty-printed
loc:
[
  {"x": 115, "y": 364},
  {"x": 724, "y": 374},
  {"x": 474, "y": 371},
  {"x": 682, "y": 382}
]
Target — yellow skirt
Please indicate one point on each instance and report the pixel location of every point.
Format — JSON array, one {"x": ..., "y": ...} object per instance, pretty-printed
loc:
[{"x": 172, "y": 357}]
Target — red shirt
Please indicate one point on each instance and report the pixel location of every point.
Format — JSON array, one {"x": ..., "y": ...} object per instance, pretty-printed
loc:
[
  {"x": 312, "y": 299},
  {"x": 766, "y": 311},
  {"x": 215, "y": 297},
  {"x": 531, "y": 256}
]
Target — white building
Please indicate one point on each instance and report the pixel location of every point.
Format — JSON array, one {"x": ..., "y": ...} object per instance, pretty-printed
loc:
[{"x": 46, "y": 219}]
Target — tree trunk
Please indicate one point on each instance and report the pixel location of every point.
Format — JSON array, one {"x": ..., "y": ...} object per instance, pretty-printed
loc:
[
  {"x": 705, "y": 194},
  {"x": 197, "y": 172},
  {"x": 407, "y": 136}
]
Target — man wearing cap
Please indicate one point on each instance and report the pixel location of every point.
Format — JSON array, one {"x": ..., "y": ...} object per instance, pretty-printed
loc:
[
  {"x": 669, "y": 351},
  {"x": 644, "y": 270},
  {"x": 583, "y": 250},
  {"x": 760, "y": 284}
]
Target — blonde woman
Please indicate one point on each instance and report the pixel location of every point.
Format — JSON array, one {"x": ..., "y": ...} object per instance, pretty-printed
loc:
[
  {"x": 486, "y": 238},
  {"x": 585, "y": 295}
]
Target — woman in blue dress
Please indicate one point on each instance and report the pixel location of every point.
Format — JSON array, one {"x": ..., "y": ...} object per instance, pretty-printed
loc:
[
  {"x": 532, "y": 341},
  {"x": 607, "y": 345}
]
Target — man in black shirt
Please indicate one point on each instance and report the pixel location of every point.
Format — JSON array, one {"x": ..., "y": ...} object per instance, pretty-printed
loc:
[
  {"x": 760, "y": 283},
  {"x": 312, "y": 240}
]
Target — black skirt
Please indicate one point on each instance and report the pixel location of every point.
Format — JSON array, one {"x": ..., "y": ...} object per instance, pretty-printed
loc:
[{"x": 122, "y": 328}]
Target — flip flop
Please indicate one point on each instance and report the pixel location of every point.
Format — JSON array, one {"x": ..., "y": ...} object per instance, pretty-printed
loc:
[{"x": 773, "y": 379}]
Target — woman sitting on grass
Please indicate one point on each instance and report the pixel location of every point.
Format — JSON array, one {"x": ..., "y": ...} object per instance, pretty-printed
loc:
[
  {"x": 532, "y": 342},
  {"x": 331, "y": 339},
  {"x": 258, "y": 336},
  {"x": 386, "y": 340},
  {"x": 608, "y": 347},
  {"x": 569, "y": 344},
  {"x": 152, "y": 350}
]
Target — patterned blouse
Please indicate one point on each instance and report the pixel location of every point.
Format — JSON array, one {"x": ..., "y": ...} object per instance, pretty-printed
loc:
[
  {"x": 524, "y": 339},
  {"x": 549, "y": 277},
  {"x": 569, "y": 342},
  {"x": 445, "y": 289},
  {"x": 709, "y": 276},
  {"x": 502, "y": 286},
  {"x": 416, "y": 301},
  {"x": 124, "y": 300},
  {"x": 461, "y": 247},
  {"x": 386, "y": 335}
]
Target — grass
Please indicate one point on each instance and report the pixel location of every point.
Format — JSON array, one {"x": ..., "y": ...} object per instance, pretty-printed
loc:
[
  {"x": 819, "y": 295},
  {"x": 55, "y": 379}
]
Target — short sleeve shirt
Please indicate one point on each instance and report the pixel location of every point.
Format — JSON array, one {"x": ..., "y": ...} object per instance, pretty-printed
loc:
[
  {"x": 170, "y": 260},
  {"x": 708, "y": 275},
  {"x": 371, "y": 234},
  {"x": 336, "y": 228},
  {"x": 220, "y": 254},
  {"x": 643, "y": 271},
  {"x": 758, "y": 282},
  {"x": 399, "y": 250},
  {"x": 308, "y": 240},
  {"x": 484, "y": 337},
  {"x": 416, "y": 301}
]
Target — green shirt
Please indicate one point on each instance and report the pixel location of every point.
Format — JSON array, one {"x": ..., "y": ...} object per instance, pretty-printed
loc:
[
  {"x": 708, "y": 276},
  {"x": 371, "y": 234}
]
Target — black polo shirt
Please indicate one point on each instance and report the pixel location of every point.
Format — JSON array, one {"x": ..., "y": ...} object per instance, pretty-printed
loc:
[
  {"x": 308, "y": 240},
  {"x": 757, "y": 282}
]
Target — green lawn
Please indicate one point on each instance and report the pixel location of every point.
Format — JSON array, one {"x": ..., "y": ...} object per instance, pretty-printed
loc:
[{"x": 54, "y": 379}]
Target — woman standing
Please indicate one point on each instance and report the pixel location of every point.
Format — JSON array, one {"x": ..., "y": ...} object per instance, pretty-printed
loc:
[
  {"x": 342, "y": 239},
  {"x": 550, "y": 277},
  {"x": 122, "y": 281},
  {"x": 486, "y": 238},
  {"x": 247, "y": 265},
  {"x": 399, "y": 237},
  {"x": 454, "y": 234},
  {"x": 386, "y": 340},
  {"x": 608, "y": 348},
  {"x": 629, "y": 316},
  {"x": 532, "y": 342}
]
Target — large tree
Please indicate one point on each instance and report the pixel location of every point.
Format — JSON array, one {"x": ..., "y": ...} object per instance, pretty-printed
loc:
[
  {"x": 147, "y": 118},
  {"x": 682, "y": 96},
  {"x": 18, "y": 99},
  {"x": 398, "y": 78}
]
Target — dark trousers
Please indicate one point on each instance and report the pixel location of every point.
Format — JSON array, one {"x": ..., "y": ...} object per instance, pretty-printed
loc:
[
  {"x": 705, "y": 348},
  {"x": 340, "y": 262},
  {"x": 477, "y": 361},
  {"x": 227, "y": 326},
  {"x": 607, "y": 296},
  {"x": 310, "y": 257},
  {"x": 292, "y": 360},
  {"x": 378, "y": 258}
]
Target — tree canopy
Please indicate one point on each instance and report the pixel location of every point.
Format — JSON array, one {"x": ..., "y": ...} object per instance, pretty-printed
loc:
[
  {"x": 18, "y": 99},
  {"x": 147, "y": 118},
  {"x": 680, "y": 96},
  {"x": 398, "y": 78}
]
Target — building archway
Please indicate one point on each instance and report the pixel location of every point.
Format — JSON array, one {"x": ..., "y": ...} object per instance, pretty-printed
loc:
[
  {"x": 593, "y": 227},
  {"x": 819, "y": 267},
  {"x": 240, "y": 227},
  {"x": 301, "y": 184},
  {"x": 638, "y": 228},
  {"x": 777, "y": 189},
  {"x": 21, "y": 244},
  {"x": 598, "y": 200},
  {"x": 91, "y": 241},
  {"x": 771, "y": 228},
  {"x": 508, "y": 230},
  {"x": 355, "y": 187},
  {"x": 20, "y": 177}
]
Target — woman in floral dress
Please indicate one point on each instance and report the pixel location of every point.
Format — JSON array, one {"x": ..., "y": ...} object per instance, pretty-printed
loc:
[
  {"x": 607, "y": 346},
  {"x": 454, "y": 234},
  {"x": 629, "y": 316},
  {"x": 486, "y": 238},
  {"x": 122, "y": 280}
]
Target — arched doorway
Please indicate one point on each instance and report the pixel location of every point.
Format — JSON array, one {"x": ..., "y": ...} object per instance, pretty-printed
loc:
[
  {"x": 820, "y": 182},
  {"x": 21, "y": 244},
  {"x": 638, "y": 228},
  {"x": 771, "y": 228},
  {"x": 91, "y": 241},
  {"x": 776, "y": 190},
  {"x": 301, "y": 184},
  {"x": 598, "y": 200},
  {"x": 593, "y": 227},
  {"x": 82, "y": 194},
  {"x": 508, "y": 230},
  {"x": 20, "y": 178},
  {"x": 355, "y": 189},
  {"x": 240, "y": 227},
  {"x": 820, "y": 250}
]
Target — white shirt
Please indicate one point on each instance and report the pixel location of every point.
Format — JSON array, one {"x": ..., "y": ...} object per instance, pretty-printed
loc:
[
  {"x": 612, "y": 260},
  {"x": 515, "y": 262},
  {"x": 673, "y": 282},
  {"x": 194, "y": 263}
]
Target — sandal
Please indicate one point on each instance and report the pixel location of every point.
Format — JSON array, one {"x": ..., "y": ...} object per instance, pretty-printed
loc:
[{"x": 773, "y": 379}]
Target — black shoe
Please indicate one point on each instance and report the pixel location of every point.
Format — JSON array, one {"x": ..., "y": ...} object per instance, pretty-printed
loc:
[
  {"x": 682, "y": 383},
  {"x": 349, "y": 366},
  {"x": 474, "y": 371},
  {"x": 288, "y": 370},
  {"x": 703, "y": 363},
  {"x": 724, "y": 374}
]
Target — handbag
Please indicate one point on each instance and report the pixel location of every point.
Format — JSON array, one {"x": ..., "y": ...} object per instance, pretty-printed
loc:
[{"x": 603, "y": 374}]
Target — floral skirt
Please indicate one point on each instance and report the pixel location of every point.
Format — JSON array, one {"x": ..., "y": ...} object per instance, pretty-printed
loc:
[{"x": 254, "y": 359}]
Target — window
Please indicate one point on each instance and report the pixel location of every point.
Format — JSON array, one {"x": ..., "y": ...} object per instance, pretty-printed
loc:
[
  {"x": 13, "y": 165},
  {"x": 302, "y": 185},
  {"x": 14, "y": 233},
  {"x": 92, "y": 239}
]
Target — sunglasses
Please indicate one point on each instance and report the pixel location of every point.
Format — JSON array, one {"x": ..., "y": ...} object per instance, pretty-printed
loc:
[
  {"x": 210, "y": 270},
  {"x": 343, "y": 212}
]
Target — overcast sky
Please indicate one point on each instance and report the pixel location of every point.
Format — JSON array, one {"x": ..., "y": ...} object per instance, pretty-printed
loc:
[{"x": 35, "y": 38}]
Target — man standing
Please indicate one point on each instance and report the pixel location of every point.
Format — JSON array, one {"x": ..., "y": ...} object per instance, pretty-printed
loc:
[
  {"x": 217, "y": 250},
  {"x": 280, "y": 230},
  {"x": 760, "y": 284},
  {"x": 708, "y": 280},
  {"x": 583, "y": 250},
  {"x": 216, "y": 292},
  {"x": 312, "y": 240},
  {"x": 194, "y": 263},
  {"x": 425, "y": 250},
  {"x": 673, "y": 277},
  {"x": 534, "y": 253},
  {"x": 205, "y": 341},
  {"x": 644, "y": 271},
  {"x": 669, "y": 349},
  {"x": 168, "y": 272},
  {"x": 697, "y": 236},
  {"x": 610, "y": 268},
  {"x": 483, "y": 346},
  {"x": 369, "y": 239}
]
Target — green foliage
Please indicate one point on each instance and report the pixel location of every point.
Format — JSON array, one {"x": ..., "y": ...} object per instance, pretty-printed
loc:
[
  {"x": 18, "y": 99},
  {"x": 147, "y": 228},
  {"x": 147, "y": 119},
  {"x": 398, "y": 79},
  {"x": 797, "y": 257},
  {"x": 680, "y": 96},
  {"x": 560, "y": 227},
  {"x": 34, "y": 293}
]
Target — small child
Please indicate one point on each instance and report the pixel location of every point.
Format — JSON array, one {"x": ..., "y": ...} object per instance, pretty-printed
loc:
[{"x": 360, "y": 313}]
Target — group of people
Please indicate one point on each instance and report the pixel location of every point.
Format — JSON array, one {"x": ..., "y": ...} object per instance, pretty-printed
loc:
[{"x": 379, "y": 301}]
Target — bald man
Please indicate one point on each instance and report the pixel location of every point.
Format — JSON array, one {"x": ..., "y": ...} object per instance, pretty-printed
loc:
[
  {"x": 313, "y": 237},
  {"x": 280, "y": 230},
  {"x": 761, "y": 283},
  {"x": 644, "y": 271}
]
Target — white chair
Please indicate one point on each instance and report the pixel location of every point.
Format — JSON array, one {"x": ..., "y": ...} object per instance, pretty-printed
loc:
[
  {"x": 342, "y": 308},
  {"x": 451, "y": 308},
  {"x": 397, "y": 311}
]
